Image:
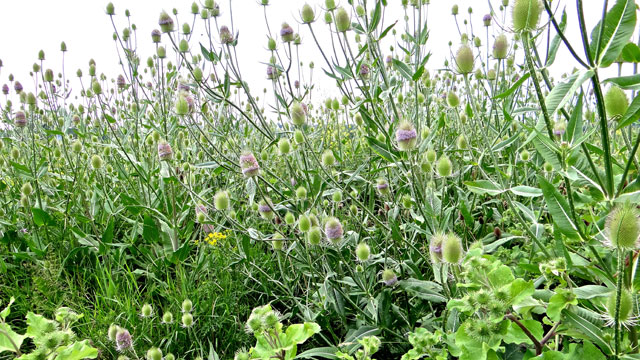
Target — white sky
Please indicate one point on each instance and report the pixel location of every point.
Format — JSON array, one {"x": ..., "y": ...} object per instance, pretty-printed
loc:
[{"x": 30, "y": 25}]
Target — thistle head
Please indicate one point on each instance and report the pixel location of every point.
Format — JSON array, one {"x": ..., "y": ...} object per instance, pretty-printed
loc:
[
  {"x": 249, "y": 164},
  {"x": 165, "y": 22},
  {"x": 452, "y": 251},
  {"x": 500, "y": 47}
]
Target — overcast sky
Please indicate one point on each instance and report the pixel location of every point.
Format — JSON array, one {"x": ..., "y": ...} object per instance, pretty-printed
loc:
[{"x": 31, "y": 25}]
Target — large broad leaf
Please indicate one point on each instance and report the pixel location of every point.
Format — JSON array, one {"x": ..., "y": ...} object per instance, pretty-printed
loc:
[
  {"x": 620, "y": 22},
  {"x": 630, "y": 53},
  {"x": 558, "y": 208},
  {"x": 78, "y": 351},
  {"x": 590, "y": 330},
  {"x": 563, "y": 92},
  {"x": 8, "y": 338}
]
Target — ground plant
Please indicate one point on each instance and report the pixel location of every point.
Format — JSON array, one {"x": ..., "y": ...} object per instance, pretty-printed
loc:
[{"x": 476, "y": 209}]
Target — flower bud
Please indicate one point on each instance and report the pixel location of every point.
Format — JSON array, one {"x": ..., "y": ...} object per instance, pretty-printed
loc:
[
  {"x": 435, "y": 247},
  {"x": 327, "y": 158},
  {"x": 113, "y": 331},
  {"x": 383, "y": 187},
  {"x": 454, "y": 10},
  {"x": 363, "y": 252},
  {"x": 333, "y": 230},
  {"x": 20, "y": 119},
  {"x": 406, "y": 136},
  {"x": 301, "y": 192},
  {"x": 616, "y": 102},
  {"x": 96, "y": 87},
  {"x": 431, "y": 155},
  {"x": 154, "y": 354},
  {"x": 389, "y": 277},
  {"x": 486, "y": 20},
  {"x": 166, "y": 22},
  {"x": 187, "y": 305},
  {"x": 298, "y": 114},
  {"x": 444, "y": 166},
  {"x": 221, "y": 200},
  {"x": 286, "y": 32},
  {"x": 500, "y": 47},
  {"x": 146, "y": 311},
  {"x": 452, "y": 249},
  {"x": 330, "y": 4},
  {"x": 96, "y": 162},
  {"x": 249, "y": 164},
  {"x": 314, "y": 235},
  {"x": 623, "y": 227},
  {"x": 187, "y": 320},
  {"x": 343, "y": 20},
  {"x": 298, "y": 137},
  {"x": 307, "y": 14},
  {"x": 304, "y": 223},
  {"x": 526, "y": 14},
  {"x": 524, "y": 155},
  {"x": 167, "y": 318},
  {"x": 452, "y": 99},
  {"x": 276, "y": 242},
  {"x": 465, "y": 59},
  {"x": 183, "y": 46},
  {"x": 164, "y": 151}
]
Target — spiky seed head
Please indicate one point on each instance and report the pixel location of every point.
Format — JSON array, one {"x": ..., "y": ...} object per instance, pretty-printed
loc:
[
  {"x": 298, "y": 114},
  {"x": 343, "y": 20},
  {"x": 452, "y": 99},
  {"x": 187, "y": 305},
  {"x": 363, "y": 251},
  {"x": 327, "y": 158},
  {"x": 96, "y": 162},
  {"x": 465, "y": 59},
  {"x": 187, "y": 320},
  {"x": 314, "y": 236},
  {"x": 452, "y": 251},
  {"x": 284, "y": 146},
  {"x": 616, "y": 102},
  {"x": 110, "y": 9},
  {"x": 146, "y": 311},
  {"x": 444, "y": 166},
  {"x": 167, "y": 318},
  {"x": 154, "y": 354},
  {"x": 307, "y": 14},
  {"x": 526, "y": 14},
  {"x": 623, "y": 227},
  {"x": 276, "y": 241},
  {"x": 500, "y": 47}
]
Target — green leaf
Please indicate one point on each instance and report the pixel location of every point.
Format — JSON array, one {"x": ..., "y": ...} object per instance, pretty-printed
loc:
[
  {"x": 11, "y": 337},
  {"x": 555, "y": 43},
  {"x": 559, "y": 209},
  {"x": 574, "y": 127},
  {"x": 7, "y": 310},
  {"x": 632, "y": 115},
  {"x": 500, "y": 277},
  {"x": 513, "y": 88},
  {"x": 150, "y": 231},
  {"x": 377, "y": 15},
  {"x": 319, "y": 352},
  {"x": 37, "y": 325},
  {"x": 631, "y": 53},
  {"x": 557, "y": 303},
  {"x": 482, "y": 187},
  {"x": 299, "y": 333},
  {"x": 403, "y": 69},
  {"x": 562, "y": 93},
  {"x": 591, "y": 291},
  {"x": 519, "y": 290},
  {"x": 423, "y": 289},
  {"x": 515, "y": 335},
  {"x": 590, "y": 330},
  {"x": 631, "y": 82},
  {"x": 526, "y": 191},
  {"x": 619, "y": 25},
  {"x": 586, "y": 351},
  {"x": 78, "y": 351},
  {"x": 41, "y": 217}
]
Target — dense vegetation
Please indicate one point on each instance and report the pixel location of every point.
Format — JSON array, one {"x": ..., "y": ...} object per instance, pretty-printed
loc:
[{"x": 479, "y": 210}]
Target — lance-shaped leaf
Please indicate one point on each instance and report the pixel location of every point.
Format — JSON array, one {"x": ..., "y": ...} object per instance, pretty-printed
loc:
[{"x": 559, "y": 209}]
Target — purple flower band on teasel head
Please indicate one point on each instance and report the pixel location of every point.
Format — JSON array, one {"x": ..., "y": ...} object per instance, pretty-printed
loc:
[{"x": 404, "y": 135}]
